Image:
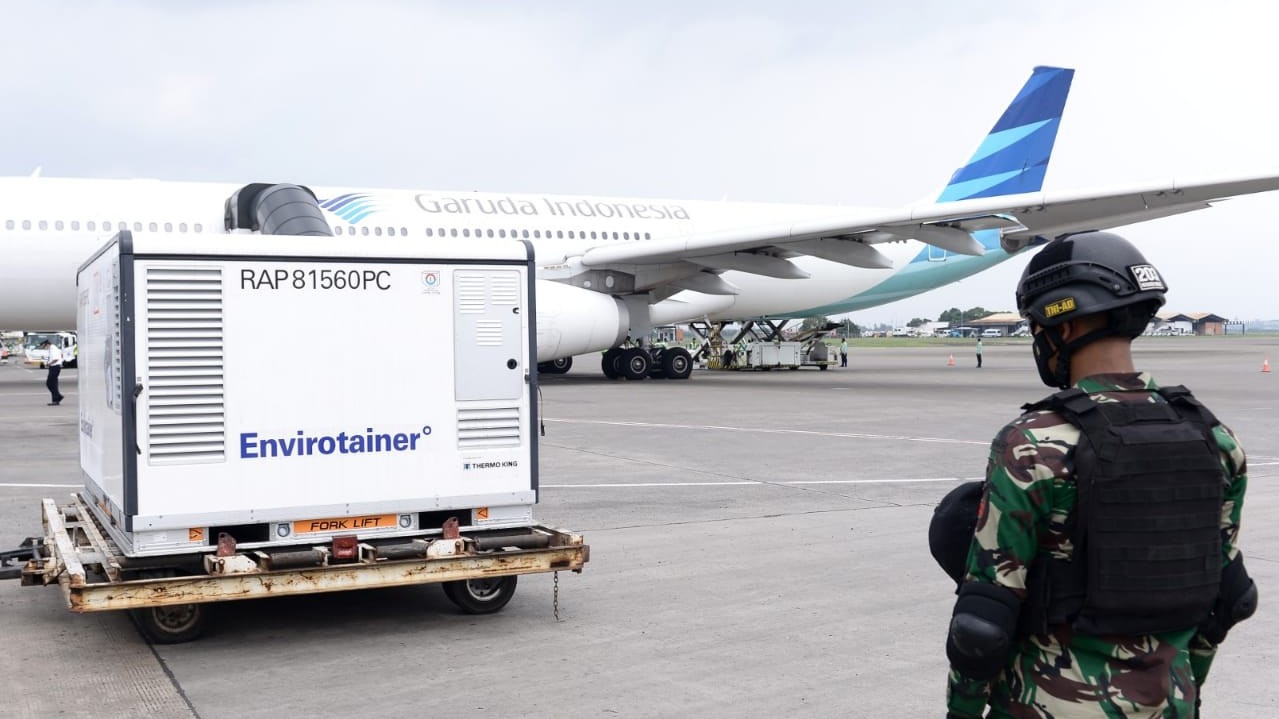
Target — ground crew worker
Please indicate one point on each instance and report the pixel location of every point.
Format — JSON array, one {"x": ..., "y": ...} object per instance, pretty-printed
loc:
[
  {"x": 54, "y": 364},
  {"x": 1104, "y": 569}
]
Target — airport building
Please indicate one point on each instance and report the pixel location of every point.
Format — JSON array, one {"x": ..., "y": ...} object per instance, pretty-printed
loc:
[
  {"x": 1192, "y": 323},
  {"x": 1009, "y": 324},
  {"x": 1006, "y": 324}
]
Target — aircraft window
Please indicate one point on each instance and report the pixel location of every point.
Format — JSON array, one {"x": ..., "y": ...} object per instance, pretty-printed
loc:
[
  {"x": 44, "y": 224},
  {"x": 453, "y": 232},
  {"x": 501, "y": 233},
  {"x": 90, "y": 226},
  {"x": 559, "y": 234},
  {"x": 537, "y": 234},
  {"x": 8, "y": 224},
  {"x": 137, "y": 227},
  {"x": 75, "y": 224},
  {"x": 430, "y": 232},
  {"x": 168, "y": 227},
  {"x": 616, "y": 236},
  {"x": 490, "y": 233},
  {"x": 182, "y": 227},
  {"x": 364, "y": 231},
  {"x": 647, "y": 236},
  {"x": 626, "y": 235},
  {"x": 26, "y": 224},
  {"x": 570, "y": 234},
  {"x": 404, "y": 232},
  {"x": 526, "y": 234},
  {"x": 466, "y": 233},
  {"x": 152, "y": 226},
  {"x": 57, "y": 224},
  {"x": 199, "y": 227},
  {"x": 377, "y": 231},
  {"x": 592, "y": 234}
]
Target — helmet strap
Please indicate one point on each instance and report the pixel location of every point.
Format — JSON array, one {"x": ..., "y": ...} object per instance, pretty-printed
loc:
[{"x": 1049, "y": 342}]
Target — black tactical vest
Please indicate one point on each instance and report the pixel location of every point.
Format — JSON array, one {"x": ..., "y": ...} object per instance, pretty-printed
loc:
[{"x": 1146, "y": 525}]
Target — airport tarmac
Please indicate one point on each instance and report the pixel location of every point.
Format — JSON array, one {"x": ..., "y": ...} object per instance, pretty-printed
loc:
[{"x": 758, "y": 548}]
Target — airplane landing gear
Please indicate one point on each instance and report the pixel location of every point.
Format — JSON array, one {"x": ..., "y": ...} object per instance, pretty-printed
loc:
[
  {"x": 639, "y": 362},
  {"x": 635, "y": 363},
  {"x": 555, "y": 366}
]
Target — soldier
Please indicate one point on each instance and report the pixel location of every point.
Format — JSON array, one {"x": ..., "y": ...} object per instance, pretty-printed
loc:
[{"x": 1104, "y": 569}]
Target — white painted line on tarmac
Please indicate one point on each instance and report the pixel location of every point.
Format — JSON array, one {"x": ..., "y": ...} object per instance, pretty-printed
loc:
[
  {"x": 815, "y": 433},
  {"x": 748, "y": 483}
]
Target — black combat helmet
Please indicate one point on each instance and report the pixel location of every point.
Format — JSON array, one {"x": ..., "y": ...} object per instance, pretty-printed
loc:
[{"x": 1086, "y": 274}]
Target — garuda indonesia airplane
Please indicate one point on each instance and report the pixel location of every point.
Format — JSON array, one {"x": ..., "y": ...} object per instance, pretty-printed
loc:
[{"x": 612, "y": 268}]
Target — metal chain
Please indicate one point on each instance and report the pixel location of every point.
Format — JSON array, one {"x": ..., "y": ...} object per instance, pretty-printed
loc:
[{"x": 555, "y": 601}]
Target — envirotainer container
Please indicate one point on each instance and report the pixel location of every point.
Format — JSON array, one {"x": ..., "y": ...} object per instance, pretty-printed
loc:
[{"x": 285, "y": 390}]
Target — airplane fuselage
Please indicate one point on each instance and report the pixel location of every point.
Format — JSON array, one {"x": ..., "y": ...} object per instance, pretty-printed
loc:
[{"x": 52, "y": 225}]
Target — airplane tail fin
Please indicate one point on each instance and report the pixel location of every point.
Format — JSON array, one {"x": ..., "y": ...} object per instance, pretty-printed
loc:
[{"x": 1014, "y": 156}]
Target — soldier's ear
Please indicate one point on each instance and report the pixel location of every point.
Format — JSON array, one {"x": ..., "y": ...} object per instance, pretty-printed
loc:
[{"x": 1072, "y": 329}]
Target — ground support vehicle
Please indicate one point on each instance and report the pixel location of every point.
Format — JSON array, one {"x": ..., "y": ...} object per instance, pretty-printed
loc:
[
  {"x": 760, "y": 345},
  {"x": 35, "y": 354},
  {"x": 211, "y": 474},
  {"x": 167, "y": 595}
]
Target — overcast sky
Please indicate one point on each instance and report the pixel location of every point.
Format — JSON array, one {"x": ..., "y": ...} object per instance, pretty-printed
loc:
[{"x": 802, "y": 102}]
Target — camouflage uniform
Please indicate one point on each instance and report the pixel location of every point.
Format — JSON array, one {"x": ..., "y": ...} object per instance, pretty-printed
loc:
[{"x": 1027, "y": 498}]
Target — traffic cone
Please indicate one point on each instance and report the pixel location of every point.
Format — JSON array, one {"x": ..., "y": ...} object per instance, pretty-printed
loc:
[
  {"x": 1265, "y": 365},
  {"x": 950, "y": 362}
]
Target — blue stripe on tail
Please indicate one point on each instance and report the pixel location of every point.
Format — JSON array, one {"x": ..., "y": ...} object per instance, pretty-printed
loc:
[{"x": 1014, "y": 156}]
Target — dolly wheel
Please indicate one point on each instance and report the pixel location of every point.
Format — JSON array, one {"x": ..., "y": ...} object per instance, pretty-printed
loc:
[
  {"x": 172, "y": 624},
  {"x": 481, "y": 596}
]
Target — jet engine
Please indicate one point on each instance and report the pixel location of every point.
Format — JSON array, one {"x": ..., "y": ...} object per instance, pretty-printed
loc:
[{"x": 572, "y": 321}]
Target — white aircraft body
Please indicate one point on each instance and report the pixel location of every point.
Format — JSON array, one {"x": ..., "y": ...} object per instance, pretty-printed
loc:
[{"x": 609, "y": 268}]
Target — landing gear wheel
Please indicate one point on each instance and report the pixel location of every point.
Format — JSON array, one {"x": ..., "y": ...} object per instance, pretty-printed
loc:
[
  {"x": 677, "y": 363},
  {"x": 635, "y": 363},
  {"x": 481, "y": 596},
  {"x": 556, "y": 366},
  {"x": 173, "y": 624},
  {"x": 609, "y": 364}
]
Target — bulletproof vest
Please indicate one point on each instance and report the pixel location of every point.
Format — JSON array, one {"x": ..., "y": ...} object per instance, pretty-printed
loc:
[{"x": 1146, "y": 525}]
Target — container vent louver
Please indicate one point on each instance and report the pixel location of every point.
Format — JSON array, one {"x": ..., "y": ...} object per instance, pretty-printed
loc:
[
  {"x": 486, "y": 428},
  {"x": 186, "y": 417}
]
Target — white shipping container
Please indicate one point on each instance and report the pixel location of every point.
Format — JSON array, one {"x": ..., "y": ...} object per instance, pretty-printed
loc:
[
  {"x": 286, "y": 389},
  {"x": 776, "y": 354}
]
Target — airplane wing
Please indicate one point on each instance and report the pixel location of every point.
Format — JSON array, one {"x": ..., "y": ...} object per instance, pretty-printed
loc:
[{"x": 850, "y": 238}]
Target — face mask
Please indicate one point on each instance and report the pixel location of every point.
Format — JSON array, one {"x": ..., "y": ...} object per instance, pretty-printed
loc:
[{"x": 1047, "y": 343}]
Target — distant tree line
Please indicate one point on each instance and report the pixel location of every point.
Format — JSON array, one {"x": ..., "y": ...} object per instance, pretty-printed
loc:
[{"x": 957, "y": 317}]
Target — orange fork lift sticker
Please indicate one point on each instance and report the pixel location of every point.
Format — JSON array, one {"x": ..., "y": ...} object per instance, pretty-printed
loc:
[
  {"x": 482, "y": 513},
  {"x": 195, "y": 534},
  {"x": 345, "y": 524}
]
